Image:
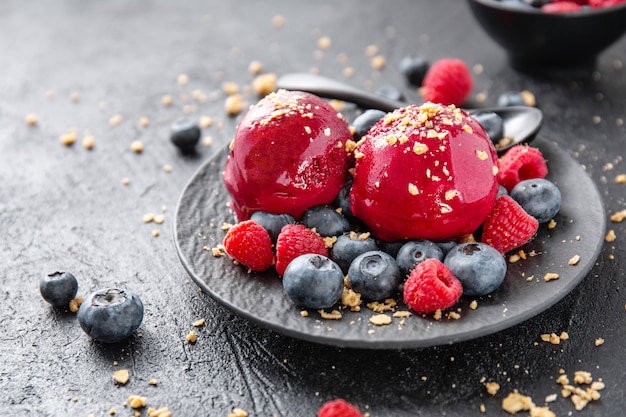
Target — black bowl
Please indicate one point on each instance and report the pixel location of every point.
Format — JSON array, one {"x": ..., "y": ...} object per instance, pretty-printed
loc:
[{"x": 550, "y": 43}]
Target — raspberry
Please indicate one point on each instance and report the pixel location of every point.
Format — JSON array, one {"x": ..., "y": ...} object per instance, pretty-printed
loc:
[
  {"x": 604, "y": 3},
  {"x": 295, "y": 240},
  {"x": 561, "y": 7},
  {"x": 448, "y": 81},
  {"x": 338, "y": 408},
  {"x": 519, "y": 163},
  {"x": 250, "y": 245},
  {"x": 431, "y": 286},
  {"x": 508, "y": 226}
]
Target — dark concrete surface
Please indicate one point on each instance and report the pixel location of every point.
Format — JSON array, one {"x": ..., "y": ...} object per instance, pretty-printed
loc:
[{"x": 66, "y": 208}]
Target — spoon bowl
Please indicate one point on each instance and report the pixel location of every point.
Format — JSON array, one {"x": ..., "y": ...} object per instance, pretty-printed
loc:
[{"x": 521, "y": 123}]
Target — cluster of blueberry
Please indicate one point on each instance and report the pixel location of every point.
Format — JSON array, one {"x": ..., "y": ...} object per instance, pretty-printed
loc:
[
  {"x": 377, "y": 269},
  {"x": 107, "y": 315}
]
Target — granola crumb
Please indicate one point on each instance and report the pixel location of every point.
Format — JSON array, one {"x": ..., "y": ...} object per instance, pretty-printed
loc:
[
  {"x": 473, "y": 305},
  {"x": 121, "y": 376},
  {"x": 182, "y": 79},
  {"x": 207, "y": 141},
  {"x": 31, "y": 120},
  {"x": 136, "y": 401},
  {"x": 515, "y": 402},
  {"x": 74, "y": 97},
  {"x": 255, "y": 67},
  {"x": 574, "y": 260},
  {"x": 125, "y": 181},
  {"x": 75, "y": 303},
  {"x": 191, "y": 337},
  {"x": 199, "y": 323},
  {"x": 610, "y": 236},
  {"x": 264, "y": 84},
  {"x": 380, "y": 319},
  {"x": 161, "y": 412},
  {"x": 551, "y": 224},
  {"x": 619, "y": 216},
  {"x": 333, "y": 315},
  {"x": 88, "y": 141},
  {"x": 278, "y": 21},
  {"x": 304, "y": 313},
  {"x": 378, "y": 62},
  {"x": 156, "y": 233},
  {"x": 68, "y": 138},
  {"x": 599, "y": 341},
  {"x": 233, "y": 104},
  {"x": 620, "y": 179},
  {"x": 136, "y": 146},
  {"x": 167, "y": 100},
  {"x": 144, "y": 122},
  {"x": 550, "y": 276},
  {"x": 492, "y": 387},
  {"x": 115, "y": 120},
  {"x": 153, "y": 381}
]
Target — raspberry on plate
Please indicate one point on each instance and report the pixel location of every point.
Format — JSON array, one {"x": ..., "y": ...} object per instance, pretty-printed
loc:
[
  {"x": 295, "y": 240},
  {"x": 448, "y": 81},
  {"x": 427, "y": 172},
  {"x": 431, "y": 286},
  {"x": 289, "y": 154},
  {"x": 249, "y": 244},
  {"x": 508, "y": 226},
  {"x": 338, "y": 408},
  {"x": 521, "y": 162}
]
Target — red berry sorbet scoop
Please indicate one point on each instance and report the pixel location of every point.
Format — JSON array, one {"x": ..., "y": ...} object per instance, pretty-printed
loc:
[
  {"x": 427, "y": 172},
  {"x": 289, "y": 154}
]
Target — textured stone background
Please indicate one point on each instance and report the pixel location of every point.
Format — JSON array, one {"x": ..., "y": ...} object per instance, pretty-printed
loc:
[{"x": 65, "y": 208}]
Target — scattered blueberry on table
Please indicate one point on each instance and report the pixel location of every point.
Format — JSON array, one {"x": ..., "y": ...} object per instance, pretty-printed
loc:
[
  {"x": 185, "y": 134},
  {"x": 58, "y": 288},
  {"x": 110, "y": 315}
]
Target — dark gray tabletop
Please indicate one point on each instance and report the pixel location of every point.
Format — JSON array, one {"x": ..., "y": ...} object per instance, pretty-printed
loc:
[{"x": 98, "y": 68}]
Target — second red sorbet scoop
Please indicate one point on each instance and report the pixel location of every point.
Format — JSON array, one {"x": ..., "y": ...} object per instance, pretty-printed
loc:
[{"x": 424, "y": 172}]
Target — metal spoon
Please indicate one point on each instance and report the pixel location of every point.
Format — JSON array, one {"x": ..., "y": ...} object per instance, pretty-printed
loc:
[{"x": 521, "y": 123}]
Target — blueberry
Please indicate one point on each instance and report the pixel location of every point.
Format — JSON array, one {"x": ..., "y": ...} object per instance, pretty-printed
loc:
[
  {"x": 480, "y": 268},
  {"x": 392, "y": 248},
  {"x": 58, "y": 288},
  {"x": 446, "y": 246},
  {"x": 348, "y": 246},
  {"x": 538, "y": 197},
  {"x": 326, "y": 221},
  {"x": 365, "y": 121},
  {"x": 185, "y": 134},
  {"x": 271, "y": 222},
  {"x": 313, "y": 281},
  {"x": 536, "y": 3},
  {"x": 110, "y": 315},
  {"x": 390, "y": 92},
  {"x": 375, "y": 275},
  {"x": 414, "y": 68},
  {"x": 343, "y": 199},
  {"x": 502, "y": 191},
  {"x": 415, "y": 251},
  {"x": 492, "y": 123}
]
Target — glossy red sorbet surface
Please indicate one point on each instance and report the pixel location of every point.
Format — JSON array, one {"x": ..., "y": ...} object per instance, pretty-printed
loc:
[
  {"x": 427, "y": 172},
  {"x": 289, "y": 154}
]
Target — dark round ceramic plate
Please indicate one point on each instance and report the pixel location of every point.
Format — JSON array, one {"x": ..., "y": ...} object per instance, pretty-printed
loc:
[{"x": 579, "y": 232}]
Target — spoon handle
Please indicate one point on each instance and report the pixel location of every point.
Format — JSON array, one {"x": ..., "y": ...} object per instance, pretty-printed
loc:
[{"x": 329, "y": 88}]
